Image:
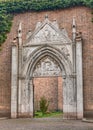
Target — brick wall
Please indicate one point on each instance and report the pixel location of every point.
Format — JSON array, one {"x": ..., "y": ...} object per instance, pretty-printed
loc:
[
  {"x": 64, "y": 17},
  {"x": 51, "y": 89}
]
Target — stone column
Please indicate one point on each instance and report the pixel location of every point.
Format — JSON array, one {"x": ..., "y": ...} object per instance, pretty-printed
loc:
[
  {"x": 19, "y": 67},
  {"x": 74, "y": 58},
  {"x": 19, "y": 77},
  {"x": 79, "y": 76},
  {"x": 14, "y": 81}
]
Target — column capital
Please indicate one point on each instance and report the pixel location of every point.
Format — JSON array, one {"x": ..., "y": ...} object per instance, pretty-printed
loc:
[
  {"x": 15, "y": 42},
  {"x": 78, "y": 36}
]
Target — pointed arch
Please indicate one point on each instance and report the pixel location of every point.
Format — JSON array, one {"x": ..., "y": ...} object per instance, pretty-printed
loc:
[
  {"x": 65, "y": 66},
  {"x": 46, "y": 50}
]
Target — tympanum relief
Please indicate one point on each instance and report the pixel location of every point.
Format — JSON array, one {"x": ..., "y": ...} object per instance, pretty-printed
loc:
[{"x": 47, "y": 67}]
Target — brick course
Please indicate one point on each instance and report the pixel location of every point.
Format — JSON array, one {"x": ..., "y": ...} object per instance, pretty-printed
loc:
[{"x": 64, "y": 17}]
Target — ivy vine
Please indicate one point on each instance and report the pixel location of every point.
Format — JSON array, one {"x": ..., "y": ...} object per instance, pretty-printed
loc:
[{"x": 9, "y": 7}]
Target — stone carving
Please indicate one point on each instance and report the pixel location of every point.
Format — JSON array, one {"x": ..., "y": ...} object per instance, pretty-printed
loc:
[
  {"x": 54, "y": 23},
  {"x": 65, "y": 51},
  {"x": 48, "y": 32},
  {"x": 38, "y": 24},
  {"x": 64, "y": 32},
  {"x": 28, "y": 34},
  {"x": 47, "y": 67},
  {"x": 27, "y": 51}
]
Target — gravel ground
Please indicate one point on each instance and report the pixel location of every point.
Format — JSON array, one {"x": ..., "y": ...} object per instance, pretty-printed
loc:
[{"x": 44, "y": 124}]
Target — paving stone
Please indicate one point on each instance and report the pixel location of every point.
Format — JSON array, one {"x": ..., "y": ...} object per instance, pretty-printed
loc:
[{"x": 44, "y": 124}]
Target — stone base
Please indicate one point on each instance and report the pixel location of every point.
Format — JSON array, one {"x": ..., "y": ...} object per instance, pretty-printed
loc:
[
  {"x": 13, "y": 115},
  {"x": 88, "y": 114},
  {"x": 80, "y": 115},
  {"x": 5, "y": 114},
  {"x": 25, "y": 115},
  {"x": 70, "y": 115}
]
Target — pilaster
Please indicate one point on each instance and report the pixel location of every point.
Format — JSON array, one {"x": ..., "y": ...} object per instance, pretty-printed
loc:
[
  {"x": 14, "y": 81},
  {"x": 79, "y": 76},
  {"x": 69, "y": 104},
  {"x": 19, "y": 66},
  {"x": 31, "y": 101}
]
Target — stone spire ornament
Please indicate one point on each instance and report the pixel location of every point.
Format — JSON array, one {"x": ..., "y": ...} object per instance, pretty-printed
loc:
[
  {"x": 46, "y": 16},
  {"x": 20, "y": 34},
  {"x": 74, "y": 29}
]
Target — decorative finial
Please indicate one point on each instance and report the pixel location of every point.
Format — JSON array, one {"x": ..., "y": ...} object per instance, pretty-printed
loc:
[
  {"x": 20, "y": 34},
  {"x": 74, "y": 23},
  {"x": 14, "y": 42},
  {"x": 20, "y": 29},
  {"x": 46, "y": 16},
  {"x": 74, "y": 29},
  {"x": 79, "y": 36}
]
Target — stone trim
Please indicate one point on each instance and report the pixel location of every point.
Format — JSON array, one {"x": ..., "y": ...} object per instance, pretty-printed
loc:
[{"x": 14, "y": 82}]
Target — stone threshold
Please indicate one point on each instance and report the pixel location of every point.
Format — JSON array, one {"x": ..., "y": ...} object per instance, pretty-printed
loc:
[
  {"x": 87, "y": 120},
  {"x": 3, "y": 118}
]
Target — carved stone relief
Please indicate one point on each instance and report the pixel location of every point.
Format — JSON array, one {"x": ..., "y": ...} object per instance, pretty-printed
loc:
[
  {"x": 46, "y": 34},
  {"x": 28, "y": 34},
  {"x": 66, "y": 50},
  {"x": 47, "y": 67},
  {"x": 27, "y": 51}
]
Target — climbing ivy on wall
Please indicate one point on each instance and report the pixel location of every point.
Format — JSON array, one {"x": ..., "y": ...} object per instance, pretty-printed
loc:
[
  {"x": 9, "y": 7},
  {"x": 5, "y": 25}
]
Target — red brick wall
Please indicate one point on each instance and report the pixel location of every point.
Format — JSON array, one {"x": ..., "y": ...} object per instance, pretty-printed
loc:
[
  {"x": 64, "y": 17},
  {"x": 51, "y": 89}
]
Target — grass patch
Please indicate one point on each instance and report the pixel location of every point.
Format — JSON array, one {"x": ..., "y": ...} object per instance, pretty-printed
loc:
[{"x": 48, "y": 114}]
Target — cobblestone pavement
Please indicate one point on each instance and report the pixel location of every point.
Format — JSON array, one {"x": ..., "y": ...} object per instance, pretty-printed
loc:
[{"x": 44, "y": 124}]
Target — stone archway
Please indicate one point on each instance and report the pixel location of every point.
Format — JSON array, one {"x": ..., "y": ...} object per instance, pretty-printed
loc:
[
  {"x": 69, "y": 103},
  {"x": 47, "y": 41},
  {"x": 45, "y": 81}
]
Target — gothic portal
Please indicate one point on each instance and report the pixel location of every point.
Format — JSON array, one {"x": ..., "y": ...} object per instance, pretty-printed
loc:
[{"x": 48, "y": 51}]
